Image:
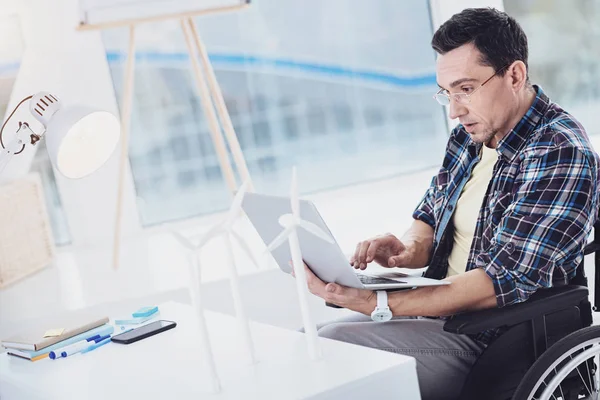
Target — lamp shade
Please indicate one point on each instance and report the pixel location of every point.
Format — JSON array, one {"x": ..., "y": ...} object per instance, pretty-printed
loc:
[{"x": 81, "y": 139}]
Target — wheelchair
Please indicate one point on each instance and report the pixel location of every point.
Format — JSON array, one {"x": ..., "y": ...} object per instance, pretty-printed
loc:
[{"x": 548, "y": 348}]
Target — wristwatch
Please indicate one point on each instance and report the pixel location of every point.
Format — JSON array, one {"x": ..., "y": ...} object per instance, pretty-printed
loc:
[{"x": 382, "y": 312}]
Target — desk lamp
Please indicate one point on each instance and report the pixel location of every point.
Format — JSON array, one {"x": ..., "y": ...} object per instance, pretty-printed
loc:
[{"x": 79, "y": 139}]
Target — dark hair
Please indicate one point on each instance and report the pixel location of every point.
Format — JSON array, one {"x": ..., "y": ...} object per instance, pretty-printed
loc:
[{"x": 498, "y": 37}]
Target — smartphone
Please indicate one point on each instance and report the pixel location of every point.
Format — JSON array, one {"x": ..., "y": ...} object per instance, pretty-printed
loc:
[{"x": 143, "y": 332}]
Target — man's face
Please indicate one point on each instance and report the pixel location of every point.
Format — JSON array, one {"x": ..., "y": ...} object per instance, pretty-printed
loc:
[{"x": 490, "y": 107}]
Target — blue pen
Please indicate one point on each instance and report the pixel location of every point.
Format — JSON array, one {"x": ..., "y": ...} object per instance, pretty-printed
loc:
[
  {"x": 83, "y": 345},
  {"x": 95, "y": 346},
  {"x": 69, "y": 349}
]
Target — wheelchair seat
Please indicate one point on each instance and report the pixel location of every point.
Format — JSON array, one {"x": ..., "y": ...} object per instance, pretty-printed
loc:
[{"x": 534, "y": 337}]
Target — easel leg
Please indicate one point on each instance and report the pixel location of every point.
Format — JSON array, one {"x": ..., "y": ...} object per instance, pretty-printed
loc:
[
  {"x": 125, "y": 126},
  {"x": 217, "y": 96},
  {"x": 209, "y": 111}
]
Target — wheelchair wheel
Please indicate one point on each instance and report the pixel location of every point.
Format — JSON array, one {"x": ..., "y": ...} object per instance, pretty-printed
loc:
[{"x": 568, "y": 370}]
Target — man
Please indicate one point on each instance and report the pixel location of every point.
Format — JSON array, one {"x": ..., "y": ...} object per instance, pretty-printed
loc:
[{"x": 508, "y": 213}]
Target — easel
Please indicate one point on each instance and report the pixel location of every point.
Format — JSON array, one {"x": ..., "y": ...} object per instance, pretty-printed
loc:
[{"x": 210, "y": 95}]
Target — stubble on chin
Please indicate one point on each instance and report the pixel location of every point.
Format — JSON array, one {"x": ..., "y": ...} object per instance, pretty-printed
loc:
[{"x": 484, "y": 137}]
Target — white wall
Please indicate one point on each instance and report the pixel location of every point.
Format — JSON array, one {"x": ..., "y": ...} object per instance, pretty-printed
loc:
[{"x": 73, "y": 66}]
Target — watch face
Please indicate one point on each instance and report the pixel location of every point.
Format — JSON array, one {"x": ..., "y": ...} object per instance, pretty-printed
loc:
[{"x": 381, "y": 316}]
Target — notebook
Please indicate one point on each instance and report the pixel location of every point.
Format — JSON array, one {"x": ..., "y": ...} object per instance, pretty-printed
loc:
[
  {"x": 33, "y": 339},
  {"x": 43, "y": 353}
]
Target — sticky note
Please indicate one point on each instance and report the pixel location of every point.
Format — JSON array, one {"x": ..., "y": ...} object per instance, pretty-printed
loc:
[
  {"x": 144, "y": 312},
  {"x": 54, "y": 332}
]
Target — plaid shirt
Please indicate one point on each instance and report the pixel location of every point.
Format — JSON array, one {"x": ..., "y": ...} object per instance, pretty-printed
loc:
[{"x": 538, "y": 210}]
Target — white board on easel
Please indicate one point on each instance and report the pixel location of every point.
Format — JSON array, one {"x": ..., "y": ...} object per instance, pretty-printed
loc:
[
  {"x": 109, "y": 13},
  {"x": 104, "y": 14}
]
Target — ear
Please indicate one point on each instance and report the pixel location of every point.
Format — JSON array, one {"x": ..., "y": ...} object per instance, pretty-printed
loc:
[{"x": 517, "y": 73}]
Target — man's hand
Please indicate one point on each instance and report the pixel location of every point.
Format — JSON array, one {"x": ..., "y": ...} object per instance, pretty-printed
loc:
[
  {"x": 359, "y": 300},
  {"x": 469, "y": 291},
  {"x": 386, "y": 250}
]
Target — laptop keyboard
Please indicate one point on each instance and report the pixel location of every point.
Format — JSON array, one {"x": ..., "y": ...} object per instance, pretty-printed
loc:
[{"x": 373, "y": 280}]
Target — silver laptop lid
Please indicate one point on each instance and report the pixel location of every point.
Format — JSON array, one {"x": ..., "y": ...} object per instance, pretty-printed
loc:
[{"x": 326, "y": 260}]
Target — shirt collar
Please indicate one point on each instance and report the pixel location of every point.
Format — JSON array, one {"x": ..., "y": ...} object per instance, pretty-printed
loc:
[{"x": 510, "y": 145}]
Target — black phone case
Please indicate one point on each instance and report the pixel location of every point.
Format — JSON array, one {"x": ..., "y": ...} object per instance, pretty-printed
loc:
[{"x": 145, "y": 335}]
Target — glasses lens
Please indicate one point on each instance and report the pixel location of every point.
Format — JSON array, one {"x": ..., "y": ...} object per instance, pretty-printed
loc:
[{"x": 442, "y": 98}]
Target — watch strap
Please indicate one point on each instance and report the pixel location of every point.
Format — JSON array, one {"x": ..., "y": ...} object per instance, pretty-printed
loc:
[{"x": 382, "y": 299}]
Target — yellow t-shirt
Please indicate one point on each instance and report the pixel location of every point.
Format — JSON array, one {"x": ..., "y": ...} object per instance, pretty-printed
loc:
[{"x": 467, "y": 210}]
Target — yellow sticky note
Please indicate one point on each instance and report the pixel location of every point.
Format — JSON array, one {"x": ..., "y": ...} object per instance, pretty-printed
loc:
[{"x": 54, "y": 332}]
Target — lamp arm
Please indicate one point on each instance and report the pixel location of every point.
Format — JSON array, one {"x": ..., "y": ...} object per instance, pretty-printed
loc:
[
  {"x": 9, "y": 117},
  {"x": 5, "y": 156},
  {"x": 16, "y": 146}
]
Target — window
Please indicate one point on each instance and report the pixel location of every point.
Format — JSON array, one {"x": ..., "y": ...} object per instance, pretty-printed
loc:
[
  {"x": 342, "y": 91},
  {"x": 564, "y": 53}
]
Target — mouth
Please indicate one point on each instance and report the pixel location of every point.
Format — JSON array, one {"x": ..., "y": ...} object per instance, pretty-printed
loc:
[{"x": 469, "y": 127}]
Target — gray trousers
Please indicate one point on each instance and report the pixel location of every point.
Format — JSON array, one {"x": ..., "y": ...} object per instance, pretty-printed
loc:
[{"x": 443, "y": 359}]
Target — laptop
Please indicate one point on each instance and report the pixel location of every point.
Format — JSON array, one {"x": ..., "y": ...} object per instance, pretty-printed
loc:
[{"x": 326, "y": 260}]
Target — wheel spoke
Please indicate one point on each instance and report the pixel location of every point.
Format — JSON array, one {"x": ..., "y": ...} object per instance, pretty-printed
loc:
[
  {"x": 597, "y": 374},
  {"x": 554, "y": 397},
  {"x": 583, "y": 380},
  {"x": 545, "y": 384},
  {"x": 588, "y": 366},
  {"x": 596, "y": 366},
  {"x": 560, "y": 387}
]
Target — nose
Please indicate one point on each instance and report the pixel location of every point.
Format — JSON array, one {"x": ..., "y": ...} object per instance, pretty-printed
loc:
[{"x": 456, "y": 109}]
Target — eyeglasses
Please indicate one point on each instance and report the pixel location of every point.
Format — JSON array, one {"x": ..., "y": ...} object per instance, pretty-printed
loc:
[{"x": 443, "y": 96}]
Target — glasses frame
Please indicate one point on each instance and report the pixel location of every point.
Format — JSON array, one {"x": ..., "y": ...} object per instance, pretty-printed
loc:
[{"x": 462, "y": 98}]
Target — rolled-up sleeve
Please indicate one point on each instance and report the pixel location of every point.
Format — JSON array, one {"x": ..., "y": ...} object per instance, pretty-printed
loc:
[
  {"x": 545, "y": 226},
  {"x": 424, "y": 211}
]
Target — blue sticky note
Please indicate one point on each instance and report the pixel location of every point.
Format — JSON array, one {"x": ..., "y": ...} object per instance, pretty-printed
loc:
[
  {"x": 136, "y": 320},
  {"x": 145, "y": 312}
]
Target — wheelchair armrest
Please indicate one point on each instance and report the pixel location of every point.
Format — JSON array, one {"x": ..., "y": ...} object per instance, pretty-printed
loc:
[{"x": 543, "y": 301}]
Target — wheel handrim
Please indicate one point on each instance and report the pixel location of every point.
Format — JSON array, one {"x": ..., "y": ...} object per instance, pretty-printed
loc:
[{"x": 592, "y": 385}]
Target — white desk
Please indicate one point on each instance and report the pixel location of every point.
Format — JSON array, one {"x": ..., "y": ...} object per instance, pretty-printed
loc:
[{"x": 168, "y": 366}]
